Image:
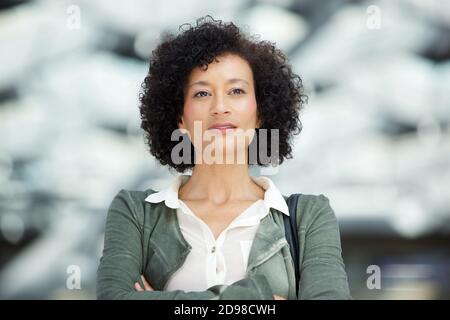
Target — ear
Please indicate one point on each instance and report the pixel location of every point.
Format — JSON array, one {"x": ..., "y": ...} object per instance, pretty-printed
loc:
[{"x": 181, "y": 125}]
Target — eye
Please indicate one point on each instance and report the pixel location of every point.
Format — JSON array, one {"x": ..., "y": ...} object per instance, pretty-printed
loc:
[
  {"x": 201, "y": 94},
  {"x": 237, "y": 91}
]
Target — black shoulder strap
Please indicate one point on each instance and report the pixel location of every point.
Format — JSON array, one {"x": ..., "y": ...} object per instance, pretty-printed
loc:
[{"x": 290, "y": 227}]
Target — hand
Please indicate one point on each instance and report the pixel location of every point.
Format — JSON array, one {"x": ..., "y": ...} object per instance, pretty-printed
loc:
[
  {"x": 147, "y": 286},
  {"x": 276, "y": 297}
]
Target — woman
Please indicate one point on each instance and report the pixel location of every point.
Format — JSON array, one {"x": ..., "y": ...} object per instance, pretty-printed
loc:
[{"x": 218, "y": 233}]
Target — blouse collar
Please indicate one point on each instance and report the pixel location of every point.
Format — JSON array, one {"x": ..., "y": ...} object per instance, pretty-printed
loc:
[{"x": 272, "y": 196}]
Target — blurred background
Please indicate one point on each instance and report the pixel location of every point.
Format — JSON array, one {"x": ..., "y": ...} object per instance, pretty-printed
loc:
[{"x": 375, "y": 139}]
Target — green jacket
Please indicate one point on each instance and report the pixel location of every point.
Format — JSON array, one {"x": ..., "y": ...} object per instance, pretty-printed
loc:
[{"x": 145, "y": 238}]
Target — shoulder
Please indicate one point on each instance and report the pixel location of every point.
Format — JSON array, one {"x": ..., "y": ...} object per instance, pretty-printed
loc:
[
  {"x": 133, "y": 196},
  {"x": 313, "y": 210},
  {"x": 130, "y": 202}
]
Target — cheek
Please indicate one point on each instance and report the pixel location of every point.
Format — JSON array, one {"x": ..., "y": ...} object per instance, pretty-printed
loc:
[
  {"x": 188, "y": 110},
  {"x": 192, "y": 112},
  {"x": 249, "y": 110},
  {"x": 252, "y": 107}
]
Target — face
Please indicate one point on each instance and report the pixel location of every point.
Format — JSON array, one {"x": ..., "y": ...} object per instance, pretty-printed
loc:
[{"x": 224, "y": 93}]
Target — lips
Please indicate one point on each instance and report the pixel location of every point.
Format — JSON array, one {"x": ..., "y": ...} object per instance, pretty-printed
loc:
[{"x": 223, "y": 126}]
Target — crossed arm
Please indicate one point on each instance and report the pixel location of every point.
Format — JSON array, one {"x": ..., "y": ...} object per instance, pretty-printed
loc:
[{"x": 148, "y": 287}]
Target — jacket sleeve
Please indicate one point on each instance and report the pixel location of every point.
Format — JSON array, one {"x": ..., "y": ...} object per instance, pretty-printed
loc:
[
  {"x": 323, "y": 274},
  {"x": 121, "y": 264}
]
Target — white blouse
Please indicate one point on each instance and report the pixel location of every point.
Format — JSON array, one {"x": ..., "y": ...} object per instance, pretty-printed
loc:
[{"x": 221, "y": 261}]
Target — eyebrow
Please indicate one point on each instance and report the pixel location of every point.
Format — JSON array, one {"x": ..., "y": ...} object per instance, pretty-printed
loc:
[{"x": 206, "y": 83}]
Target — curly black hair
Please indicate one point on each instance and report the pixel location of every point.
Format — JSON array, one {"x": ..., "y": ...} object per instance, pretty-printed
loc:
[{"x": 278, "y": 91}]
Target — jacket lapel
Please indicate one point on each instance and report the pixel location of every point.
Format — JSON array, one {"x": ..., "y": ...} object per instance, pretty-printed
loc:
[
  {"x": 269, "y": 239},
  {"x": 169, "y": 247}
]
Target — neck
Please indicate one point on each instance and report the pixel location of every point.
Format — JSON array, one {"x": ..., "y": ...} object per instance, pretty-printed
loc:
[{"x": 221, "y": 184}]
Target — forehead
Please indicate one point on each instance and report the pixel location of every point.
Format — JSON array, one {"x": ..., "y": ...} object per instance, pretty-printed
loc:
[{"x": 227, "y": 66}]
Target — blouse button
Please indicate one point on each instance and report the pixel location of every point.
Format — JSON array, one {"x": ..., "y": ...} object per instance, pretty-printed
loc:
[{"x": 213, "y": 249}]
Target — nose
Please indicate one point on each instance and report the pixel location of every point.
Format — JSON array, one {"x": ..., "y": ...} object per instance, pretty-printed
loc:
[{"x": 220, "y": 106}]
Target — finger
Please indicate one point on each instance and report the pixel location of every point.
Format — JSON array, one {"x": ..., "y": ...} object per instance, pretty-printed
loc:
[
  {"x": 138, "y": 287},
  {"x": 147, "y": 285}
]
